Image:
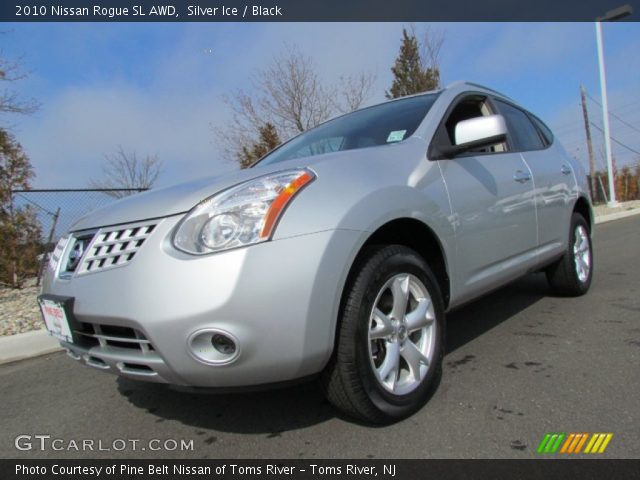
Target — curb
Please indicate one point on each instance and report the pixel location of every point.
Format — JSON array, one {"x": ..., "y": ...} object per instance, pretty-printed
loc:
[
  {"x": 617, "y": 216},
  {"x": 27, "y": 345}
]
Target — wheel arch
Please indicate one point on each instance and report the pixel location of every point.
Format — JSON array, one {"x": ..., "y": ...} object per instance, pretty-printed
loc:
[
  {"x": 583, "y": 207},
  {"x": 414, "y": 234},
  {"x": 409, "y": 232}
]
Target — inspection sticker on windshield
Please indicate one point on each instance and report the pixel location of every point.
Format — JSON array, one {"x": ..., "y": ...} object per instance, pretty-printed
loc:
[{"x": 396, "y": 136}]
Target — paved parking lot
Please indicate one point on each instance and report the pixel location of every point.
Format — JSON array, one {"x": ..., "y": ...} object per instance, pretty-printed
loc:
[{"x": 520, "y": 363}]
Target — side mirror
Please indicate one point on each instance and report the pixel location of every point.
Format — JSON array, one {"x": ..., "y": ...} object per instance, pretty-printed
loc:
[{"x": 477, "y": 132}]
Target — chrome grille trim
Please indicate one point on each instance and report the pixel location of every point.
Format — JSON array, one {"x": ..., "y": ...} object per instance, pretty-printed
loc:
[
  {"x": 77, "y": 244},
  {"x": 130, "y": 337},
  {"x": 121, "y": 350},
  {"x": 108, "y": 338},
  {"x": 58, "y": 251},
  {"x": 113, "y": 247}
]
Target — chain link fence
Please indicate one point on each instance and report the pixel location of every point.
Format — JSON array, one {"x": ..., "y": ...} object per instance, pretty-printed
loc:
[{"x": 58, "y": 209}]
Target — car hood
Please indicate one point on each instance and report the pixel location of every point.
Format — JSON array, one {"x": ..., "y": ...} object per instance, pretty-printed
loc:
[
  {"x": 178, "y": 199},
  {"x": 164, "y": 202}
]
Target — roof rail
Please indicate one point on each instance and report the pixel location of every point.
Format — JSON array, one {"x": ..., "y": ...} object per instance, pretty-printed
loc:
[
  {"x": 460, "y": 83},
  {"x": 456, "y": 83}
]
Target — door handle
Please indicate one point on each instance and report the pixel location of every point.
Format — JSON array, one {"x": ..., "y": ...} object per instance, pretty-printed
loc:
[
  {"x": 522, "y": 177},
  {"x": 565, "y": 170}
]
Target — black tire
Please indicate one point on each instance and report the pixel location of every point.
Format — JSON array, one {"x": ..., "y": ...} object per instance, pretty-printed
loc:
[
  {"x": 349, "y": 381},
  {"x": 563, "y": 275}
]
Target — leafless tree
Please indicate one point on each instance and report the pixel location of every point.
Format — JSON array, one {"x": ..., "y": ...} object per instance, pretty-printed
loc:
[
  {"x": 127, "y": 171},
  {"x": 430, "y": 42},
  {"x": 354, "y": 91},
  {"x": 10, "y": 101},
  {"x": 290, "y": 95}
]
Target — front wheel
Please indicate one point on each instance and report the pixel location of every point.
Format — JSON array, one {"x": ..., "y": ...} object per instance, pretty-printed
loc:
[
  {"x": 390, "y": 342},
  {"x": 571, "y": 275}
]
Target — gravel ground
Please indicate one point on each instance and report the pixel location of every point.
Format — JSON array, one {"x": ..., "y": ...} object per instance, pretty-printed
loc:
[{"x": 19, "y": 311}]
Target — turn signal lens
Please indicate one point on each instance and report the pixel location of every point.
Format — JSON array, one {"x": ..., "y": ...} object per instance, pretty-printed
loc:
[{"x": 281, "y": 202}]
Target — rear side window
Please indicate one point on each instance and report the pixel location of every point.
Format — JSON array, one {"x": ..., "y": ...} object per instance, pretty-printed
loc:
[
  {"x": 524, "y": 134},
  {"x": 546, "y": 131}
]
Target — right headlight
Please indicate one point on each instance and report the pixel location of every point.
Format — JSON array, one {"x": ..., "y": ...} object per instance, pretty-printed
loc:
[{"x": 243, "y": 215}]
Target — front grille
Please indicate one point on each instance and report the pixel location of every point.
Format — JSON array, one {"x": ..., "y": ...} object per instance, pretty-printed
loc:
[
  {"x": 77, "y": 246},
  {"x": 120, "y": 350},
  {"x": 96, "y": 335},
  {"x": 56, "y": 255},
  {"x": 114, "y": 247}
]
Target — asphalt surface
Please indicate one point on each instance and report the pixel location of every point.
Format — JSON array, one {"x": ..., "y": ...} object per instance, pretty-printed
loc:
[{"x": 520, "y": 363}]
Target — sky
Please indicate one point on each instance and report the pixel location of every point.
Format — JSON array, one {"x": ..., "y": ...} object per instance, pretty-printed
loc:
[{"x": 156, "y": 88}]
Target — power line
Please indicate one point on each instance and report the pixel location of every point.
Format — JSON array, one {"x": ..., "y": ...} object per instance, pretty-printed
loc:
[
  {"x": 627, "y": 106},
  {"x": 614, "y": 139},
  {"x": 19, "y": 194},
  {"x": 614, "y": 115}
]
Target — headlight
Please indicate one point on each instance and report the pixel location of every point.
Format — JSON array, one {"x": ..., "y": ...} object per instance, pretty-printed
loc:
[{"x": 243, "y": 215}]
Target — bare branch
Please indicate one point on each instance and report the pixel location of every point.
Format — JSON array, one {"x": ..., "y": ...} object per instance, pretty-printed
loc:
[
  {"x": 125, "y": 170},
  {"x": 10, "y": 101},
  {"x": 289, "y": 96},
  {"x": 355, "y": 90},
  {"x": 430, "y": 43}
]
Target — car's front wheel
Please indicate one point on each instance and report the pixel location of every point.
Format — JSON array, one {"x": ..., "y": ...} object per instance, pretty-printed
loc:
[
  {"x": 390, "y": 341},
  {"x": 572, "y": 274}
]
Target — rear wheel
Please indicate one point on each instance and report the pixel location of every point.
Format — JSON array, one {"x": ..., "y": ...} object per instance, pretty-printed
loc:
[
  {"x": 572, "y": 274},
  {"x": 390, "y": 341}
]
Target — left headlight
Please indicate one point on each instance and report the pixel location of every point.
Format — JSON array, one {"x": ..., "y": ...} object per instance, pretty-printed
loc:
[{"x": 240, "y": 216}]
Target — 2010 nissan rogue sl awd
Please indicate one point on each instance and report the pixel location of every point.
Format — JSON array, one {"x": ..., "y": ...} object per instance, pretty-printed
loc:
[{"x": 337, "y": 254}]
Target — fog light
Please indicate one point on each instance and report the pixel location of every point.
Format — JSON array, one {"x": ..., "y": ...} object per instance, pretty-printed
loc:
[
  {"x": 213, "y": 346},
  {"x": 223, "y": 344}
]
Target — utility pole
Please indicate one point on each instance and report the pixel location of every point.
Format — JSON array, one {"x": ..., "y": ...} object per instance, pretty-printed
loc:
[
  {"x": 610, "y": 16},
  {"x": 605, "y": 119},
  {"x": 587, "y": 129}
]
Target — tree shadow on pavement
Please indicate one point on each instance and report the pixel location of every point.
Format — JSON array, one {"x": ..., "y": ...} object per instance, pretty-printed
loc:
[{"x": 302, "y": 406}]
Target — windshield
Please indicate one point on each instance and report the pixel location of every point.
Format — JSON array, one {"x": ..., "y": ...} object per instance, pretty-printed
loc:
[{"x": 383, "y": 124}]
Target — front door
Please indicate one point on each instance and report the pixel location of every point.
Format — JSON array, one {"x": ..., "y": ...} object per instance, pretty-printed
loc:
[{"x": 492, "y": 201}]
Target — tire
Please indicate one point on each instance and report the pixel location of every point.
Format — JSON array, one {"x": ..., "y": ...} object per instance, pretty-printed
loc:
[
  {"x": 571, "y": 275},
  {"x": 357, "y": 380}
]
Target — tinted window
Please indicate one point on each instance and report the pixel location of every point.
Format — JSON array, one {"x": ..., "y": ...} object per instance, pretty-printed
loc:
[
  {"x": 524, "y": 134},
  {"x": 546, "y": 131},
  {"x": 378, "y": 125}
]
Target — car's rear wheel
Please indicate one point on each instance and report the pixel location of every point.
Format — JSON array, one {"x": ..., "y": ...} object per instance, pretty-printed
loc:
[
  {"x": 390, "y": 341},
  {"x": 572, "y": 274}
]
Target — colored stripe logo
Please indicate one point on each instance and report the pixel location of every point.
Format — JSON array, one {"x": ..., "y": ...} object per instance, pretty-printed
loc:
[{"x": 573, "y": 443}]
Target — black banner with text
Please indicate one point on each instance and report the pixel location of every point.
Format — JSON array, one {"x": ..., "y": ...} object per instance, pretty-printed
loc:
[
  {"x": 306, "y": 10},
  {"x": 320, "y": 469}
]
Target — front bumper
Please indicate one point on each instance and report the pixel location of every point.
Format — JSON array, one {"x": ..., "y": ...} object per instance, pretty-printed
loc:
[{"x": 279, "y": 299}]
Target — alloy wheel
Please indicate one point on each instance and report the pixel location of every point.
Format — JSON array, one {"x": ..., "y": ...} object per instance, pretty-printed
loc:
[
  {"x": 582, "y": 253},
  {"x": 402, "y": 334}
]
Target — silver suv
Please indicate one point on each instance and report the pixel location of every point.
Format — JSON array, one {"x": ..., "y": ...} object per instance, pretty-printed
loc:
[{"x": 336, "y": 255}]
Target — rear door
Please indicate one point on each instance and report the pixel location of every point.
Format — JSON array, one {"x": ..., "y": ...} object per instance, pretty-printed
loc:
[
  {"x": 553, "y": 178},
  {"x": 492, "y": 201}
]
